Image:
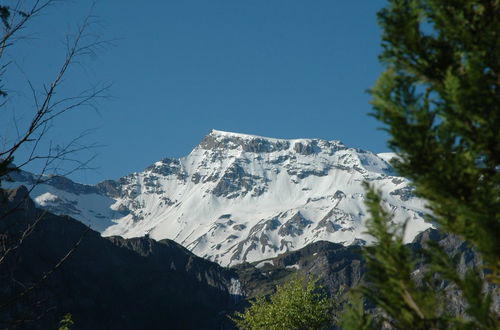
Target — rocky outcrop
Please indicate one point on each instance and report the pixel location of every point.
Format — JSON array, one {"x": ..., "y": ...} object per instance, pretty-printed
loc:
[
  {"x": 237, "y": 183},
  {"x": 335, "y": 265},
  {"x": 341, "y": 268},
  {"x": 254, "y": 144},
  {"x": 294, "y": 226}
]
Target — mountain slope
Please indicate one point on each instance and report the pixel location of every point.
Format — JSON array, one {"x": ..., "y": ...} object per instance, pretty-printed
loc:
[
  {"x": 106, "y": 283},
  {"x": 239, "y": 197},
  {"x": 340, "y": 268}
]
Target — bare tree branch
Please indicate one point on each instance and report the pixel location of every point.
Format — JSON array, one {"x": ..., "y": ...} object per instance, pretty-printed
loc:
[
  {"x": 47, "y": 106},
  {"x": 13, "y": 27}
]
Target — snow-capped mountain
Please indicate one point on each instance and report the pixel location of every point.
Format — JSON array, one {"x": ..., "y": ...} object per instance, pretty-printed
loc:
[{"x": 239, "y": 197}]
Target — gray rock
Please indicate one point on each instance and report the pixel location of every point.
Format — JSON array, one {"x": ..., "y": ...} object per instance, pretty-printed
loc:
[
  {"x": 404, "y": 193},
  {"x": 236, "y": 182},
  {"x": 294, "y": 226},
  {"x": 307, "y": 148},
  {"x": 248, "y": 144}
]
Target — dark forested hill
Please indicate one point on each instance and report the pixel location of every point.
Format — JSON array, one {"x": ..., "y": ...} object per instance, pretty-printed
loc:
[{"x": 105, "y": 283}]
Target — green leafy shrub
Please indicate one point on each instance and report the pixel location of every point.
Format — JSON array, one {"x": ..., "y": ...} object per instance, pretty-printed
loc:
[{"x": 297, "y": 304}]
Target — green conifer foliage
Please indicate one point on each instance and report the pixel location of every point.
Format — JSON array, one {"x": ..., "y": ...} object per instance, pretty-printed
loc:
[
  {"x": 390, "y": 265},
  {"x": 440, "y": 100},
  {"x": 354, "y": 316},
  {"x": 402, "y": 301}
]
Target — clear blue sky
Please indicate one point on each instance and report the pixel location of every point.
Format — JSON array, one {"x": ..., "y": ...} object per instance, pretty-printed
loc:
[{"x": 286, "y": 69}]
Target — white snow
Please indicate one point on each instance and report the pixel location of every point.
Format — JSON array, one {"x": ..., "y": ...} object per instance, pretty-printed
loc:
[
  {"x": 235, "y": 287},
  {"x": 46, "y": 198},
  {"x": 387, "y": 156},
  {"x": 263, "y": 263},
  {"x": 293, "y": 267}
]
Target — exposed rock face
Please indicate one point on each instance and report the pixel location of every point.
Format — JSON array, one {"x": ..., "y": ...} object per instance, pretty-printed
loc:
[
  {"x": 294, "y": 226},
  {"x": 254, "y": 145},
  {"x": 106, "y": 283},
  {"x": 464, "y": 256},
  {"x": 237, "y": 183},
  {"x": 110, "y": 187},
  {"x": 281, "y": 195},
  {"x": 307, "y": 148},
  {"x": 335, "y": 265},
  {"x": 342, "y": 267}
]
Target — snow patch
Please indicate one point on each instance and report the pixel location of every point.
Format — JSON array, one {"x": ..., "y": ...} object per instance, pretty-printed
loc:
[
  {"x": 235, "y": 287},
  {"x": 46, "y": 198},
  {"x": 387, "y": 156},
  {"x": 263, "y": 263}
]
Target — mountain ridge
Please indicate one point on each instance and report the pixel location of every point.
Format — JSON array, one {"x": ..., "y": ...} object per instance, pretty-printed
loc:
[{"x": 240, "y": 197}]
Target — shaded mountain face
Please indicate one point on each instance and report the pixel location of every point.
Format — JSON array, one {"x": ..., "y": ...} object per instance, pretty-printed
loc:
[
  {"x": 240, "y": 198},
  {"x": 337, "y": 267},
  {"x": 105, "y": 283},
  {"x": 340, "y": 268}
]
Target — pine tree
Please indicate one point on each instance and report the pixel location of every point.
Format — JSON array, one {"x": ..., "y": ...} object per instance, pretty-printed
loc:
[
  {"x": 440, "y": 101},
  {"x": 402, "y": 302}
]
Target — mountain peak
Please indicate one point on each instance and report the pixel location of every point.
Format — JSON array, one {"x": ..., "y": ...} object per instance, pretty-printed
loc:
[
  {"x": 226, "y": 134},
  {"x": 217, "y": 139}
]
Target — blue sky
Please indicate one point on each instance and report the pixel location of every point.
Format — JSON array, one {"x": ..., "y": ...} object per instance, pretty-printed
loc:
[{"x": 286, "y": 69}]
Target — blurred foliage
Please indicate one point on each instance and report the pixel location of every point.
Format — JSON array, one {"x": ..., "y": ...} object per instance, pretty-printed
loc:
[
  {"x": 67, "y": 322},
  {"x": 440, "y": 102}
]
